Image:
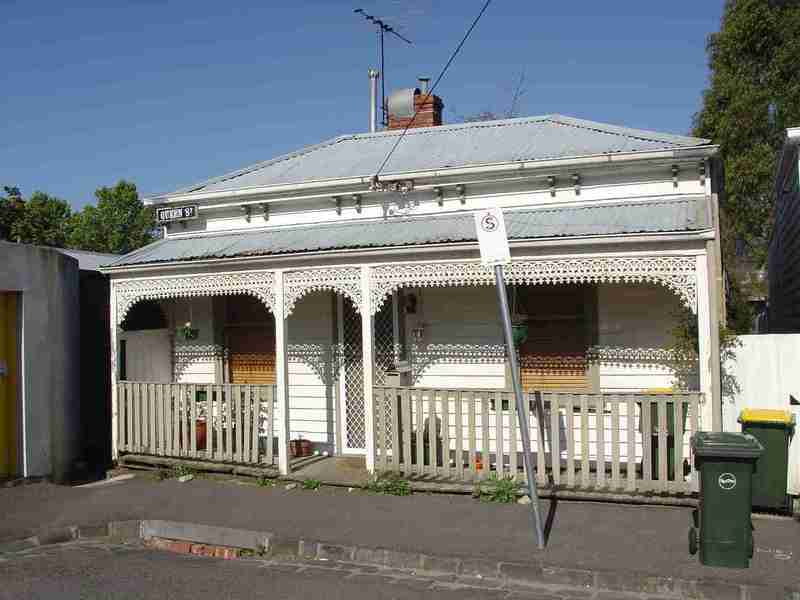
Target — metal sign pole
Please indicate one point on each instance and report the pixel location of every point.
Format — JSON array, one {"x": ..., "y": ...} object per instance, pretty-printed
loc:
[{"x": 520, "y": 401}]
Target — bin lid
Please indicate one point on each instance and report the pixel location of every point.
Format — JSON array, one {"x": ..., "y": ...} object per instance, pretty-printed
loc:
[
  {"x": 766, "y": 415},
  {"x": 726, "y": 444}
]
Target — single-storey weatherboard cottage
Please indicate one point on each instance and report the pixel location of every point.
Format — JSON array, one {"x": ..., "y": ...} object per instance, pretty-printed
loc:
[{"x": 298, "y": 305}]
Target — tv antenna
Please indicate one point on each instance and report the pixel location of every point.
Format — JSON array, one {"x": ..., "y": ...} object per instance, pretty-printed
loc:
[{"x": 382, "y": 29}]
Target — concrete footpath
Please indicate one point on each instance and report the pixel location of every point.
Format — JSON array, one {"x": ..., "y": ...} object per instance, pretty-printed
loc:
[{"x": 630, "y": 541}]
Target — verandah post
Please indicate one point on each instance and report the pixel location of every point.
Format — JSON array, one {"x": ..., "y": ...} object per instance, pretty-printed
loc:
[
  {"x": 708, "y": 347},
  {"x": 368, "y": 360},
  {"x": 282, "y": 376}
]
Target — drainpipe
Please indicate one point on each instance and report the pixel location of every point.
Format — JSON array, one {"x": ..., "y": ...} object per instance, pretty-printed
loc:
[{"x": 373, "y": 100}]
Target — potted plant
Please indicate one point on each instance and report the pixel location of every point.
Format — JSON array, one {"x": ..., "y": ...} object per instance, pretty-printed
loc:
[{"x": 187, "y": 333}]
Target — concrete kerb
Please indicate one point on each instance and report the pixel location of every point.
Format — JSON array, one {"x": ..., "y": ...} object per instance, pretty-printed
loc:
[{"x": 534, "y": 574}]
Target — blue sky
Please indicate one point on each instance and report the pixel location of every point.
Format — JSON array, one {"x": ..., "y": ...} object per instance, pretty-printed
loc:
[{"x": 168, "y": 93}]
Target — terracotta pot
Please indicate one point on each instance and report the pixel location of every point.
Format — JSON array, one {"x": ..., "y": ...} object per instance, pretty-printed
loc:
[
  {"x": 300, "y": 448},
  {"x": 201, "y": 434}
]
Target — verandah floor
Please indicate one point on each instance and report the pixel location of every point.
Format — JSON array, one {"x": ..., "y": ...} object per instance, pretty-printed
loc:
[{"x": 350, "y": 471}]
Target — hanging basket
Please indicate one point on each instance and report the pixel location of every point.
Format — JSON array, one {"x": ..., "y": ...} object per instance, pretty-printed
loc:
[{"x": 519, "y": 332}]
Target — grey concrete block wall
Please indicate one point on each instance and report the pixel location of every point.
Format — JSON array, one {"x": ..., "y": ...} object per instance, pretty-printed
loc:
[{"x": 50, "y": 355}]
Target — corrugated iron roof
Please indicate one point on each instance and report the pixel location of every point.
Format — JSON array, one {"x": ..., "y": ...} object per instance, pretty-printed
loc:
[
  {"x": 668, "y": 214},
  {"x": 465, "y": 144}
]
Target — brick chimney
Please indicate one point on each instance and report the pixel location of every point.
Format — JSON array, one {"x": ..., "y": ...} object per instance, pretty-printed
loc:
[{"x": 402, "y": 104}]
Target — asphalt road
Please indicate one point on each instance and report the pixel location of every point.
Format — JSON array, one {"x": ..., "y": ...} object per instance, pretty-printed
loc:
[{"x": 89, "y": 570}]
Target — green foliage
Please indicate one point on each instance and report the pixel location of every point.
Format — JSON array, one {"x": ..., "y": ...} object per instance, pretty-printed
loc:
[
  {"x": 42, "y": 220},
  {"x": 181, "y": 470},
  {"x": 118, "y": 224},
  {"x": 311, "y": 484},
  {"x": 264, "y": 481},
  {"x": 390, "y": 484},
  {"x": 11, "y": 207},
  {"x": 754, "y": 94},
  {"x": 685, "y": 351},
  {"x": 503, "y": 490}
]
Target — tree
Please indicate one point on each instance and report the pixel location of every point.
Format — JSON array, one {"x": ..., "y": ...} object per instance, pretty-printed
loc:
[
  {"x": 118, "y": 224},
  {"x": 754, "y": 94},
  {"x": 11, "y": 206},
  {"x": 42, "y": 220}
]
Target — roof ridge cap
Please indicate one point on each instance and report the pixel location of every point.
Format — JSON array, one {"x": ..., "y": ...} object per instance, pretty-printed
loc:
[
  {"x": 620, "y": 130},
  {"x": 262, "y": 164}
]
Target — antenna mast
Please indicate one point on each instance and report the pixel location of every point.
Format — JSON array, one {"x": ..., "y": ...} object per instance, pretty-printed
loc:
[{"x": 382, "y": 28}]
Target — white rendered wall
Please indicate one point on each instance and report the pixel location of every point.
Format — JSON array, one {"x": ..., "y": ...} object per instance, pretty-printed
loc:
[
  {"x": 193, "y": 360},
  {"x": 635, "y": 317},
  {"x": 148, "y": 355},
  {"x": 464, "y": 324},
  {"x": 765, "y": 370}
]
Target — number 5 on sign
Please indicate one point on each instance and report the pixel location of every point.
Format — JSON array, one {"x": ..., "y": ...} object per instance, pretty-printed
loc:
[{"x": 492, "y": 238}]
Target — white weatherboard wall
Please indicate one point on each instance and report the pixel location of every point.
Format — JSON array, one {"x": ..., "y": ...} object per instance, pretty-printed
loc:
[
  {"x": 635, "y": 317},
  {"x": 765, "y": 370},
  {"x": 311, "y": 395},
  {"x": 463, "y": 324}
]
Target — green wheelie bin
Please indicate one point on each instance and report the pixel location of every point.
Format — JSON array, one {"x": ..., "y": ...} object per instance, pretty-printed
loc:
[
  {"x": 773, "y": 428},
  {"x": 726, "y": 462}
]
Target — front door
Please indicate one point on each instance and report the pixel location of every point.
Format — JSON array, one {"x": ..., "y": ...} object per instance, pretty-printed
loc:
[
  {"x": 9, "y": 345},
  {"x": 560, "y": 326}
]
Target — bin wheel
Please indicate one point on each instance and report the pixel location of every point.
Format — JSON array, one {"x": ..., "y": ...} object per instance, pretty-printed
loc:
[{"x": 692, "y": 541}]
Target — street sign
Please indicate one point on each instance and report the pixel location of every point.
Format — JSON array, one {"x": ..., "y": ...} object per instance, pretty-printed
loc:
[
  {"x": 172, "y": 214},
  {"x": 491, "y": 228}
]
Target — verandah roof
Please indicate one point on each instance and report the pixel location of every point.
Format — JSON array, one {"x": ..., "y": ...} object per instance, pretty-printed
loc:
[{"x": 664, "y": 215}]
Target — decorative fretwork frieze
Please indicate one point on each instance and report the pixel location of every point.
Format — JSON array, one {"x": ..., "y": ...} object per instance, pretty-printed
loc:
[
  {"x": 677, "y": 273},
  {"x": 344, "y": 280},
  {"x": 321, "y": 358},
  {"x": 623, "y": 355},
  {"x": 424, "y": 357},
  {"x": 187, "y": 354},
  {"x": 256, "y": 283}
]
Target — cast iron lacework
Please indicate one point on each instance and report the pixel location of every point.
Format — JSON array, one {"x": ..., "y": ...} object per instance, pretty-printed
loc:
[
  {"x": 345, "y": 280},
  {"x": 256, "y": 283},
  {"x": 355, "y": 436},
  {"x": 384, "y": 360},
  {"x": 321, "y": 358},
  {"x": 185, "y": 355},
  {"x": 677, "y": 273},
  {"x": 625, "y": 356},
  {"x": 424, "y": 357}
]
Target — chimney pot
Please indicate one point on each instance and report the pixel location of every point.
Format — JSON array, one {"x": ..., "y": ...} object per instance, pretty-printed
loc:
[{"x": 423, "y": 84}]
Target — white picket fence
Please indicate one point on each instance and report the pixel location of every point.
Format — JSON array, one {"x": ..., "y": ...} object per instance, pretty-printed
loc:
[
  {"x": 225, "y": 423},
  {"x": 609, "y": 442}
]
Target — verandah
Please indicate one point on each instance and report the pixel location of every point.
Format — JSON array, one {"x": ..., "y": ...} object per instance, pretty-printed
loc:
[{"x": 368, "y": 287}]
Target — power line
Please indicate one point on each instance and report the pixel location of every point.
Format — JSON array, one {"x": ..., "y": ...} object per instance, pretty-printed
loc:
[{"x": 433, "y": 87}]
